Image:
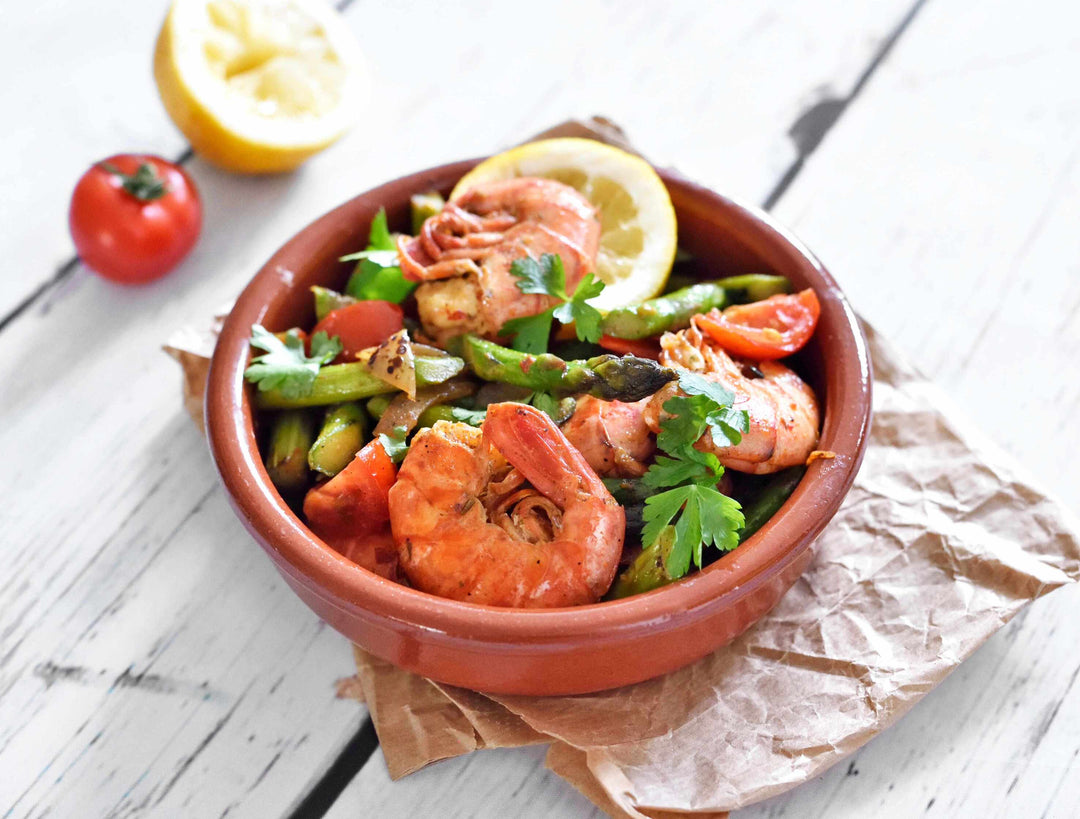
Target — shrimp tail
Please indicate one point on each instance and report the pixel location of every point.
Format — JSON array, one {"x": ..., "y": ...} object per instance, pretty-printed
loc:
[{"x": 531, "y": 441}]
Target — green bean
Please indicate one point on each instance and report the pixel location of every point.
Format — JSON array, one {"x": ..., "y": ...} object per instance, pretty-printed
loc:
[
  {"x": 377, "y": 405},
  {"x": 673, "y": 311},
  {"x": 342, "y": 434},
  {"x": 338, "y": 383},
  {"x": 423, "y": 206},
  {"x": 647, "y": 572},
  {"x": 327, "y": 300},
  {"x": 769, "y": 500},
  {"x": 291, "y": 433}
]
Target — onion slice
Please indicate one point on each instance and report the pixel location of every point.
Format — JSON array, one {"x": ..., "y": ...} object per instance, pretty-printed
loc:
[
  {"x": 394, "y": 362},
  {"x": 405, "y": 411}
]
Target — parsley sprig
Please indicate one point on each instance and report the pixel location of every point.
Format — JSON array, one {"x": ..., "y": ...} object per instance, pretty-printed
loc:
[
  {"x": 378, "y": 275},
  {"x": 286, "y": 366},
  {"x": 702, "y": 515},
  {"x": 547, "y": 277},
  {"x": 395, "y": 443}
]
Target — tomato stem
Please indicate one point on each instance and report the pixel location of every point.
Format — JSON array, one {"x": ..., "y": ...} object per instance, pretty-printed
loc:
[{"x": 145, "y": 184}]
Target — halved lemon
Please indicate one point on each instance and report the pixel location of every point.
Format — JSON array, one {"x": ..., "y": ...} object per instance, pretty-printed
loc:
[
  {"x": 637, "y": 221},
  {"x": 258, "y": 86}
]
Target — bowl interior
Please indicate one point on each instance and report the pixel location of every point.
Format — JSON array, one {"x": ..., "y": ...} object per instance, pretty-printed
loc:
[{"x": 724, "y": 237}]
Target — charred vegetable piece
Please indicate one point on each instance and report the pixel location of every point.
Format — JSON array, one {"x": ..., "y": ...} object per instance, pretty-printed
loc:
[
  {"x": 769, "y": 500},
  {"x": 648, "y": 571},
  {"x": 394, "y": 361},
  {"x": 423, "y": 206},
  {"x": 340, "y": 438},
  {"x": 673, "y": 311},
  {"x": 404, "y": 412},
  {"x": 291, "y": 434},
  {"x": 607, "y": 376},
  {"x": 338, "y": 383},
  {"x": 327, "y": 300}
]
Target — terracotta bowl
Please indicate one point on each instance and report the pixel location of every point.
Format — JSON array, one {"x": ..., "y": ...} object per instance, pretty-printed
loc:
[{"x": 557, "y": 651}]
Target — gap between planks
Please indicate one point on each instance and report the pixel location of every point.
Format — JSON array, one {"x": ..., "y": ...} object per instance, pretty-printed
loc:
[{"x": 64, "y": 271}]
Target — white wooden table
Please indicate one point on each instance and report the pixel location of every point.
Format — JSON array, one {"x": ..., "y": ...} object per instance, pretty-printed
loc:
[{"x": 151, "y": 661}]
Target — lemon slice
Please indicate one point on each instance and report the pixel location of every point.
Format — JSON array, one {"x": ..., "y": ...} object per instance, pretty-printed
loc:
[
  {"x": 637, "y": 221},
  {"x": 258, "y": 86}
]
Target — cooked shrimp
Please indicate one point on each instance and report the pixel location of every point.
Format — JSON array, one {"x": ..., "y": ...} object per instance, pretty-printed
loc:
[
  {"x": 468, "y": 527},
  {"x": 463, "y": 254},
  {"x": 783, "y": 410},
  {"x": 612, "y": 435}
]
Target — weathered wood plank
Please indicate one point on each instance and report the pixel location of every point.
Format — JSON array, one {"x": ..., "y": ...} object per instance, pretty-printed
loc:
[
  {"x": 78, "y": 88},
  {"x": 501, "y": 782},
  {"x": 124, "y": 563},
  {"x": 946, "y": 203}
]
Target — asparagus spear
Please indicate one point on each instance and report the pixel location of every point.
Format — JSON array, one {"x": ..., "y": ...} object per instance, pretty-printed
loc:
[
  {"x": 377, "y": 405},
  {"x": 340, "y": 438},
  {"x": 337, "y": 383},
  {"x": 445, "y": 412},
  {"x": 769, "y": 500},
  {"x": 673, "y": 311},
  {"x": 327, "y": 300},
  {"x": 647, "y": 572},
  {"x": 286, "y": 458},
  {"x": 611, "y": 377},
  {"x": 424, "y": 205}
]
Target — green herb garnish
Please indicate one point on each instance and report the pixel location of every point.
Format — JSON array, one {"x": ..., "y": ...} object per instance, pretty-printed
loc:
[
  {"x": 286, "y": 366},
  {"x": 702, "y": 515},
  {"x": 394, "y": 443},
  {"x": 378, "y": 275},
  {"x": 547, "y": 277}
]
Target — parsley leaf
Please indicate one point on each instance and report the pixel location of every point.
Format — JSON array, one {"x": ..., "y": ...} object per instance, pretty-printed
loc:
[
  {"x": 547, "y": 277},
  {"x": 705, "y": 516},
  {"x": 394, "y": 443},
  {"x": 530, "y": 333},
  {"x": 467, "y": 416},
  {"x": 378, "y": 275},
  {"x": 286, "y": 367}
]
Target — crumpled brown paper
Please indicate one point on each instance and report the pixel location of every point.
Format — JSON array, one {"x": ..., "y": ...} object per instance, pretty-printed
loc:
[{"x": 941, "y": 541}]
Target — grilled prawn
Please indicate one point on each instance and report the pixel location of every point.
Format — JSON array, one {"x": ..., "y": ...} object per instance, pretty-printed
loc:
[
  {"x": 463, "y": 254},
  {"x": 468, "y": 525}
]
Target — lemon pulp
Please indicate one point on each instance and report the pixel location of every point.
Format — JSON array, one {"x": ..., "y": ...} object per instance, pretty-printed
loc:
[
  {"x": 638, "y": 232},
  {"x": 258, "y": 85}
]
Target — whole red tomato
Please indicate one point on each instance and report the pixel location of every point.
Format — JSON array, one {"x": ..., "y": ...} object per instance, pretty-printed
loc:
[{"x": 134, "y": 217}]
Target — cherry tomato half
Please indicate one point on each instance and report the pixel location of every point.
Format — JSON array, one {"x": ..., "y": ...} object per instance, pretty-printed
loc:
[
  {"x": 361, "y": 325},
  {"x": 356, "y": 501},
  {"x": 641, "y": 347},
  {"x": 134, "y": 217},
  {"x": 764, "y": 330}
]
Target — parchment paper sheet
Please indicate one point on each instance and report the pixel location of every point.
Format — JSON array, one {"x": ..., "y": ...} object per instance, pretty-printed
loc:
[{"x": 941, "y": 541}]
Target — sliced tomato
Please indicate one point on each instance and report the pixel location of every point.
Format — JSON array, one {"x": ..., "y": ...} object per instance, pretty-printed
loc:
[
  {"x": 361, "y": 325},
  {"x": 641, "y": 347},
  {"x": 356, "y": 501},
  {"x": 764, "y": 330}
]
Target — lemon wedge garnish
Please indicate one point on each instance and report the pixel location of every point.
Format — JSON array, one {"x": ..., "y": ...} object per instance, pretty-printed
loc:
[
  {"x": 258, "y": 86},
  {"x": 638, "y": 233}
]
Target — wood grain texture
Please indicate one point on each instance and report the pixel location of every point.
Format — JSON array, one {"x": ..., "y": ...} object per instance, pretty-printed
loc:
[
  {"x": 946, "y": 203},
  {"x": 151, "y": 661},
  {"x": 77, "y": 88},
  {"x": 500, "y": 782}
]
